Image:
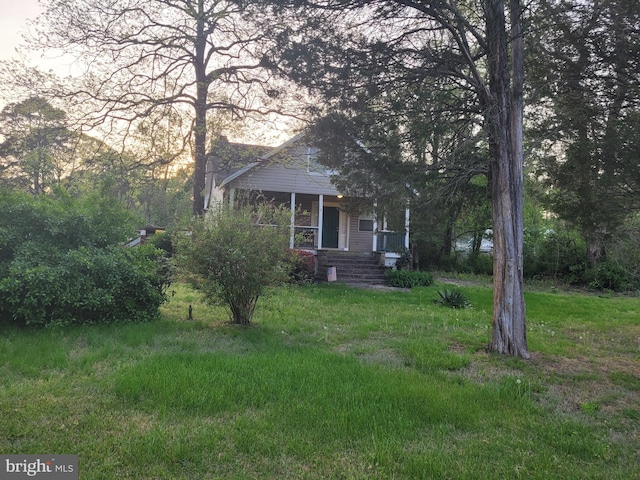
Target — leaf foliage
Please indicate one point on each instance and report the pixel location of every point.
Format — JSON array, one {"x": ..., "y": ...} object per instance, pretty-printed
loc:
[{"x": 233, "y": 255}]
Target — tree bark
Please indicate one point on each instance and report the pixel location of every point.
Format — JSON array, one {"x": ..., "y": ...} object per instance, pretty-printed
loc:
[
  {"x": 503, "y": 114},
  {"x": 200, "y": 107}
]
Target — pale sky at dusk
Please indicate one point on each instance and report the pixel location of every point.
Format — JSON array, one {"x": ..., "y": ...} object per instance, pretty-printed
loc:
[{"x": 13, "y": 22}]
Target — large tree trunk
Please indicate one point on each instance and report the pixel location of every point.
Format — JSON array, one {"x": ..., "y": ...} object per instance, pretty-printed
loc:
[
  {"x": 504, "y": 122},
  {"x": 200, "y": 124},
  {"x": 200, "y": 157},
  {"x": 595, "y": 248}
]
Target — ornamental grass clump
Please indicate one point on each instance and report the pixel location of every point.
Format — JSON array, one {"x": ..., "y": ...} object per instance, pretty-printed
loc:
[{"x": 453, "y": 298}]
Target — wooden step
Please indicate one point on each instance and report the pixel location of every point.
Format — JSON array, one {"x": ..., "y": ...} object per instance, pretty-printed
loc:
[{"x": 351, "y": 267}]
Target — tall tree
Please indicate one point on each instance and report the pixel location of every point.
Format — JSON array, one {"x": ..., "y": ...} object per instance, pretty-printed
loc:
[
  {"x": 475, "y": 46},
  {"x": 586, "y": 74},
  {"x": 34, "y": 147},
  {"x": 160, "y": 59}
]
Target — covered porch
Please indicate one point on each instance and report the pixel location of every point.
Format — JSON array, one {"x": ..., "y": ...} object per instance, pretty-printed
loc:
[{"x": 320, "y": 222}]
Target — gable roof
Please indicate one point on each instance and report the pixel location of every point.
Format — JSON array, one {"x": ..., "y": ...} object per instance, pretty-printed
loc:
[
  {"x": 263, "y": 158},
  {"x": 228, "y": 158}
]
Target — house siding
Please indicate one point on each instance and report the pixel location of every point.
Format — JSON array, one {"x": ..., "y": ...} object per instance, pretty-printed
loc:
[
  {"x": 286, "y": 173},
  {"x": 359, "y": 241}
]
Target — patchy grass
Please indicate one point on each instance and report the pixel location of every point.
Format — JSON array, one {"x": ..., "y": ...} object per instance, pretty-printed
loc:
[{"x": 333, "y": 382}]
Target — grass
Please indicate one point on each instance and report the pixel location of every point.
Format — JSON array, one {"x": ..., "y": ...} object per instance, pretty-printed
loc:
[{"x": 333, "y": 382}]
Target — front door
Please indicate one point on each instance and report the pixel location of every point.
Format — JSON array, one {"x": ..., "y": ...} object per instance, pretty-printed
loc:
[{"x": 330, "y": 227}]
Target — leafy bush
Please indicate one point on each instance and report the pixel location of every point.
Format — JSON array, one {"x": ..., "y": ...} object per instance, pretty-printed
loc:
[
  {"x": 232, "y": 256},
  {"x": 302, "y": 267},
  {"x": 61, "y": 263},
  {"x": 405, "y": 260},
  {"x": 610, "y": 275},
  {"x": 409, "y": 278},
  {"x": 82, "y": 286},
  {"x": 620, "y": 270},
  {"x": 453, "y": 298},
  {"x": 555, "y": 255},
  {"x": 63, "y": 221},
  {"x": 562, "y": 255},
  {"x": 479, "y": 264},
  {"x": 163, "y": 241}
]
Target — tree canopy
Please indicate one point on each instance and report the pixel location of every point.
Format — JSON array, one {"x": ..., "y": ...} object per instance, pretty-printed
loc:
[
  {"x": 163, "y": 65},
  {"x": 587, "y": 90},
  {"x": 468, "y": 57},
  {"x": 35, "y": 145}
]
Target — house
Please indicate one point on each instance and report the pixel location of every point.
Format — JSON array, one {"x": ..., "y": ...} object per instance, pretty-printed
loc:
[{"x": 323, "y": 220}]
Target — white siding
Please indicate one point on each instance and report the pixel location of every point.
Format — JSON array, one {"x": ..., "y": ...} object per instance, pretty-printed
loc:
[{"x": 286, "y": 172}]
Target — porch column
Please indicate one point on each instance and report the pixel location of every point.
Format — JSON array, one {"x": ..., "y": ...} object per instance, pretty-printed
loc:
[
  {"x": 374, "y": 247},
  {"x": 406, "y": 227},
  {"x": 232, "y": 197},
  {"x": 320, "y": 219},
  {"x": 292, "y": 233}
]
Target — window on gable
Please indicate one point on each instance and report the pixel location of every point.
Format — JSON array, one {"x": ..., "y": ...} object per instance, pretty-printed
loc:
[{"x": 313, "y": 167}]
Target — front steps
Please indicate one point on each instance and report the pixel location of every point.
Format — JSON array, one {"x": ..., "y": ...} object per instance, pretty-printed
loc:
[{"x": 352, "y": 268}]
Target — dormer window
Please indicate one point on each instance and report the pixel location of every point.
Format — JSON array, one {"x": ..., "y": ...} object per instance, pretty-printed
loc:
[{"x": 315, "y": 168}]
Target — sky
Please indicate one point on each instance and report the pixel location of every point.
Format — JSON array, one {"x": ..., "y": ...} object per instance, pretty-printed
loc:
[{"x": 13, "y": 22}]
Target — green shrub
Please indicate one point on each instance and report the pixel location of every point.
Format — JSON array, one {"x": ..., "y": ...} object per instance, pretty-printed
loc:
[
  {"x": 610, "y": 275},
  {"x": 555, "y": 255},
  {"x": 232, "y": 256},
  {"x": 409, "y": 278},
  {"x": 302, "y": 266},
  {"x": 162, "y": 241},
  {"x": 453, "y": 298},
  {"x": 61, "y": 263},
  {"x": 82, "y": 286},
  {"x": 62, "y": 221},
  {"x": 479, "y": 264},
  {"x": 620, "y": 270},
  {"x": 406, "y": 259}
]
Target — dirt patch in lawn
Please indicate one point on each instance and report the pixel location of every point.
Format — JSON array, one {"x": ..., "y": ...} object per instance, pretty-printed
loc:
[{"x": 589, "y": 385}]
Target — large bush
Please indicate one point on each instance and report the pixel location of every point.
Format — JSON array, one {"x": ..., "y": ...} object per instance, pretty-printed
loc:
[
  {"x": 232, "y": 256},
  {"x": 620, "y": 269},
  {"x": 302, "y": 267},
  {"x": 81, "y": 286},
  {"x": 409, "y": 278},
  {"x": 61, "y": 263},
  {"x": 477, "y": 263},
  {"x": 562, "y": 255}
]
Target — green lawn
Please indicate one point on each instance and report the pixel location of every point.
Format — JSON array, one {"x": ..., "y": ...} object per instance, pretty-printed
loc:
[{"x": 333, "y": 382}]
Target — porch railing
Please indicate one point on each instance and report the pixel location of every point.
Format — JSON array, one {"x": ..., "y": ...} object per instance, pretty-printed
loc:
[
  {"x": 390, "y": 241},
  {"x": 306, "y": 237}
]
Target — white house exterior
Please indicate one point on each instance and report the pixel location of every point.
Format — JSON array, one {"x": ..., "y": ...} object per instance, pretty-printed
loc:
[{"x": 320, "y": 214}]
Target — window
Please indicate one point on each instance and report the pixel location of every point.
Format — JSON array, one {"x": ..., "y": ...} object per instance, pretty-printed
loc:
[
  {"x": 365, "y": 225},
  {"x": 313, "y": 167}
]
